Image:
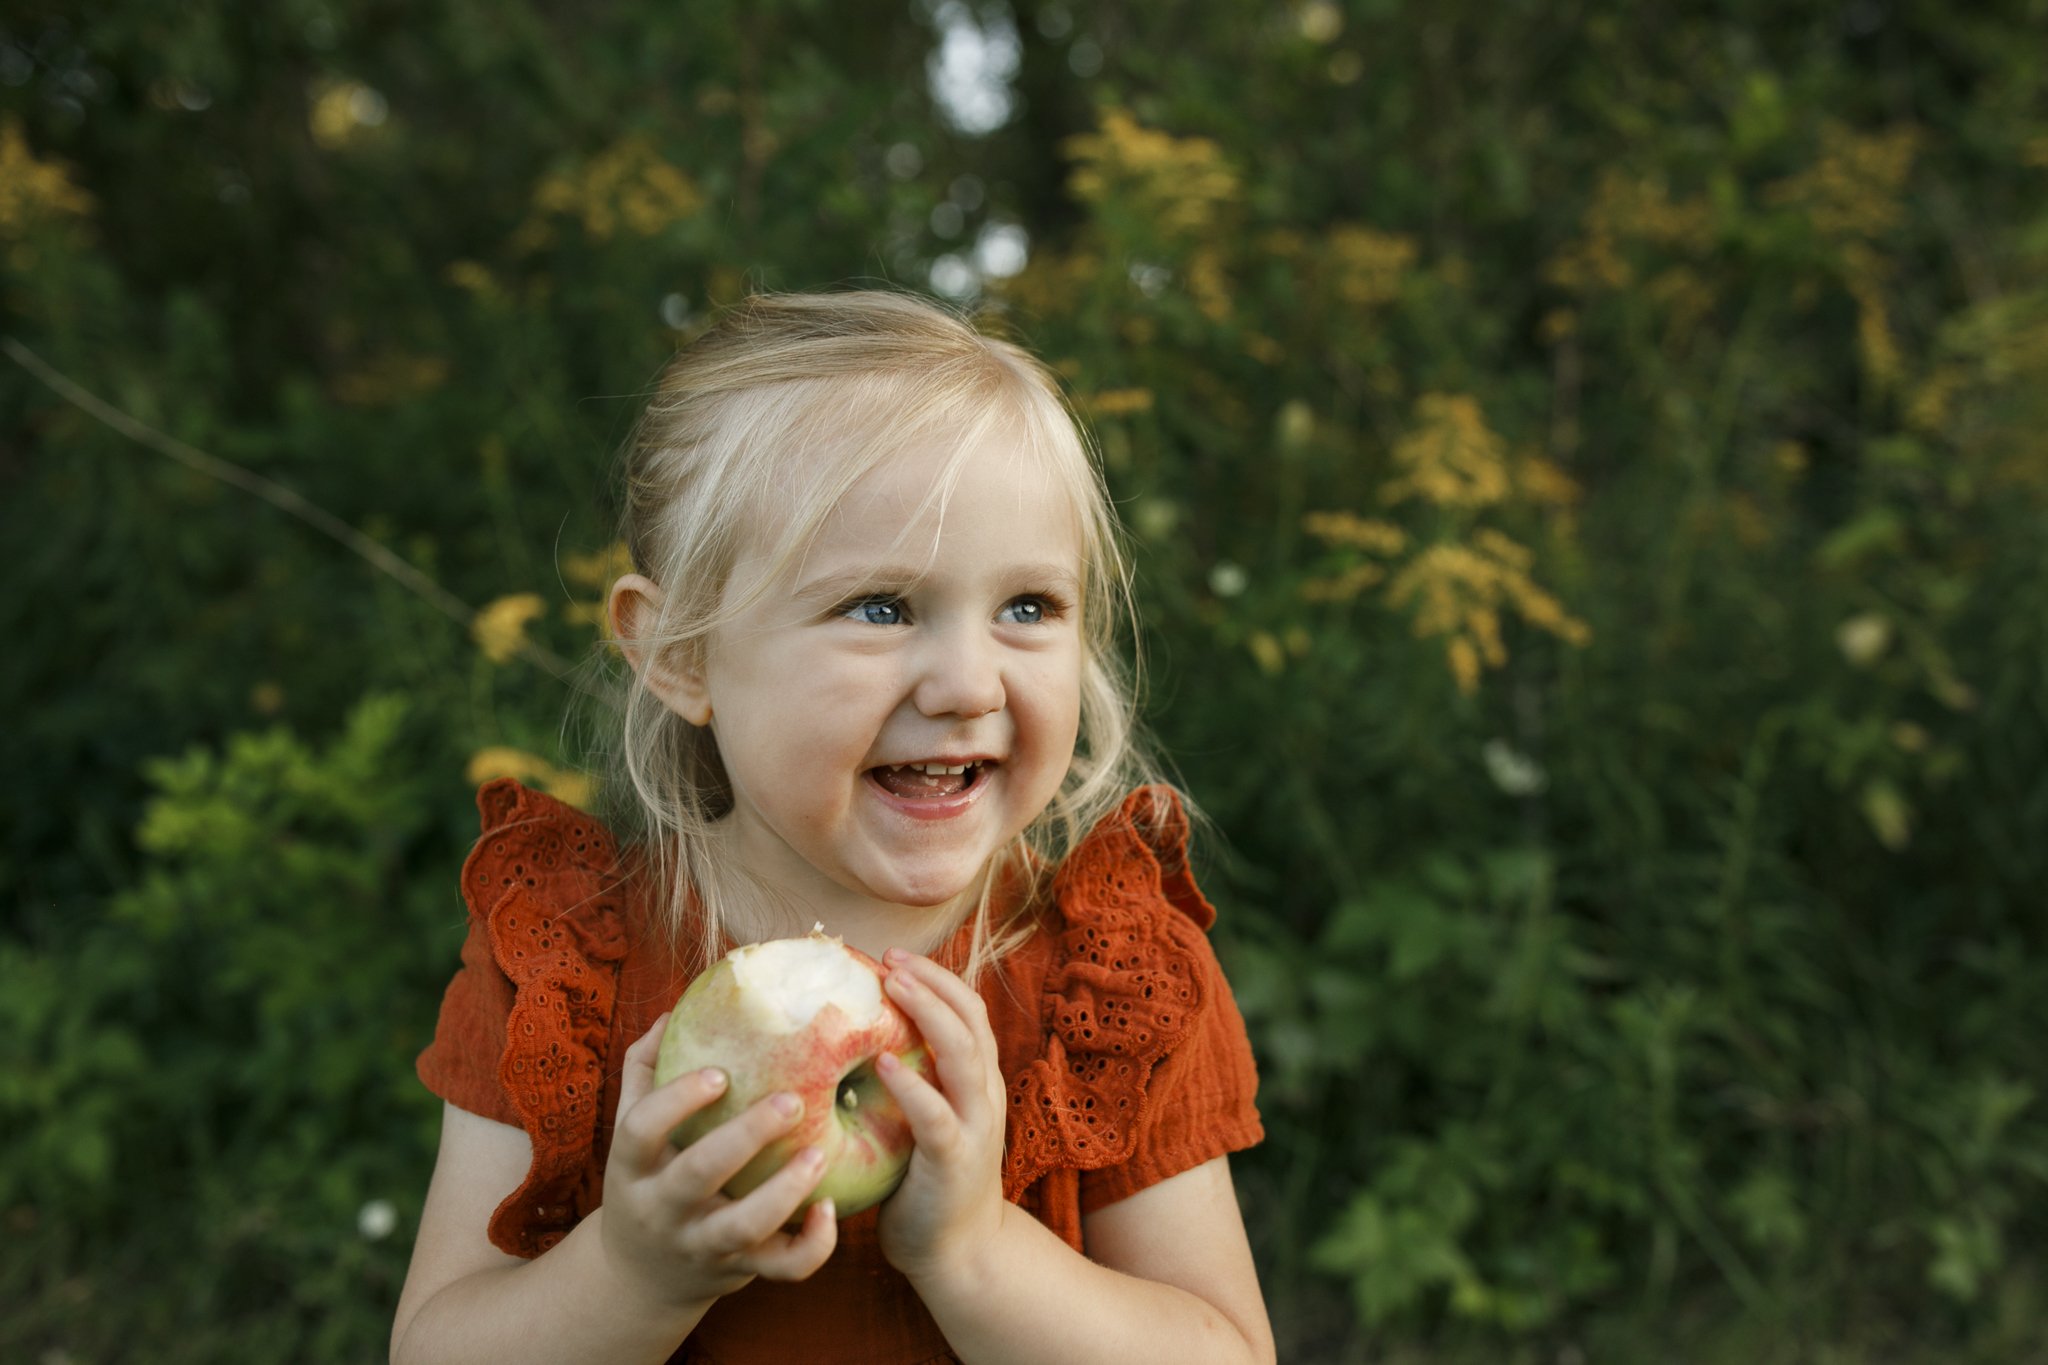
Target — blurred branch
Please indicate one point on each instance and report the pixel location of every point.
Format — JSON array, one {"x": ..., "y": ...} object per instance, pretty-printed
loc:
[{"x": 277, "y": 495}]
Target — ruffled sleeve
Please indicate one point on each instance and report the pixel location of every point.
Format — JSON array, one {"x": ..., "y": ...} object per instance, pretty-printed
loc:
[
  {"x": 527, "y": 1021},
  {"x": 1146, "y": 1071}
]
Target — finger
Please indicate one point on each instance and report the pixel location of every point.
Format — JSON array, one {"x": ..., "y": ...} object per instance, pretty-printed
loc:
[
  {"x": 747, "y": 1222},
  {"x": 964, "y": 999},
  {"x": 933, "y": 1122},
  {"x": 643, "y": 1138},
  {"x": 961, "y": 1060},
  {"x": 636, "y": 1077},
  {"x": 715, "y": 1158},
  {"x": 785, "y": 1257}
]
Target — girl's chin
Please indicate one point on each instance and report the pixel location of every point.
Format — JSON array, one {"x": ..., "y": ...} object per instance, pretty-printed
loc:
[
  {"x": 931, "y": 897},
  {"x": 932, "y": 891}
]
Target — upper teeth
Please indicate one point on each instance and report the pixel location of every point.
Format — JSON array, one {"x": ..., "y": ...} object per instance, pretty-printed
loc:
[{"x": 934, "y": 769}]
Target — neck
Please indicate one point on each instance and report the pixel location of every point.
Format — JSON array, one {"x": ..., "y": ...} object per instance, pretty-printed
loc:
[{"x": 754, "y": 913}]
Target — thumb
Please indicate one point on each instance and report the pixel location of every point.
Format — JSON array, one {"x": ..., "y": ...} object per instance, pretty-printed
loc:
[{"x": 637, "y": 1077}]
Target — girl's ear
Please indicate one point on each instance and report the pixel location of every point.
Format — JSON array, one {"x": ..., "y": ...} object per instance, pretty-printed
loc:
[{"x": 634, "y": 607}]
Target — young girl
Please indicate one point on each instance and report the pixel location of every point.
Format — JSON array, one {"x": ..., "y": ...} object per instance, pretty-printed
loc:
[{"x": 872, "y": 685}]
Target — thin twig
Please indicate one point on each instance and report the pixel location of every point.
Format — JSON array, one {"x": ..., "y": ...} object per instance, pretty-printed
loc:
[{"x": 278, "y": 496}]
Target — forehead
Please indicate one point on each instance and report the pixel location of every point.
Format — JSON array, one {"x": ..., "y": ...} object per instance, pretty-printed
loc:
[{"x": 988, "y": 494}]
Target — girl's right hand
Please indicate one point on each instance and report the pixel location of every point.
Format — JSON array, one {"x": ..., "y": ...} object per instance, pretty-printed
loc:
[{"x": 669, "y": 1235}]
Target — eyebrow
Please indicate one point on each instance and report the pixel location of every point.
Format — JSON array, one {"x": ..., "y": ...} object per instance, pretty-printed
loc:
[{"x": 897, "y": 577}]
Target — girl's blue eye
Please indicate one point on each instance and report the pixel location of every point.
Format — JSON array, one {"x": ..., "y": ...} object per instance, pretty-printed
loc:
[
  {"x": 1025, "y": 611},
  {"x": 877, "y": 611}
]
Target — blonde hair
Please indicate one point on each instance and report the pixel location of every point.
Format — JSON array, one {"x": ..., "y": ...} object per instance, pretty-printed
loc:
[{"x": 766, "y": 421}]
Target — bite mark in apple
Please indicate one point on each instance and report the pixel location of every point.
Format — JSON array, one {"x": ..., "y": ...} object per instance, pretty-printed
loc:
[{"x": 808, "y": 1016}]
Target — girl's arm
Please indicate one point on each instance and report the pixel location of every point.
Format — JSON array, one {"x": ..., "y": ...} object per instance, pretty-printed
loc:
[
  {"x": 1169, "y": 1274},
  {"x": 632, "y": 1279},
  {"x": 466, "y": 1300}
]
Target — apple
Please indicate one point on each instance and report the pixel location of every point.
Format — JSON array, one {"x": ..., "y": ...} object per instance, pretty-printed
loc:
[{"x": 806, "y": 1015}]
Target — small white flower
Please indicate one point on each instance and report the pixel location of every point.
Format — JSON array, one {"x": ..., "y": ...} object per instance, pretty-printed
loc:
[
  {"x": 1863, "y": 639},
  {"x": 1512, "y": 771},
  {"x": 1227, "y": 579},
  {"x": 1150, "y": 278},
  {"x": 376, "y": 1220}
]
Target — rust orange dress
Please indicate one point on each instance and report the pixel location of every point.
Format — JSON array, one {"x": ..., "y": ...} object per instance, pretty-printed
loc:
[{"x": 1124, "y": 1056}]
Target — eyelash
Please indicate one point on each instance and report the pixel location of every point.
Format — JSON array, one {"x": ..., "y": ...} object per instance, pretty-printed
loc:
[{"x": 1051, "y": 606}]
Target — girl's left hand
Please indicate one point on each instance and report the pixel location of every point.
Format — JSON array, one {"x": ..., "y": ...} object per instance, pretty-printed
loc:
[{"x": 949, "y": 1208}]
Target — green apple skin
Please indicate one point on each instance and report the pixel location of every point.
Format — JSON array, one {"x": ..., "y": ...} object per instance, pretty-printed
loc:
[{"x": 849, "y": 1115}]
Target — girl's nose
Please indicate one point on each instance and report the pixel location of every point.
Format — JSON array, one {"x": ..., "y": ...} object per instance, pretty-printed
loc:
[{"x": 959, "y": 676}]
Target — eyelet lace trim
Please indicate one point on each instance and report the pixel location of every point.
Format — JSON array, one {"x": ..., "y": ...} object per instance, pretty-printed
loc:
[
  {"x": 544, "y": 876},
  {"x": 1122, "y": 994}
]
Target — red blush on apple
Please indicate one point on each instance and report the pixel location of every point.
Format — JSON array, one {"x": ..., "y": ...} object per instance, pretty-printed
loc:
[{"x": 806, "y": 1015}]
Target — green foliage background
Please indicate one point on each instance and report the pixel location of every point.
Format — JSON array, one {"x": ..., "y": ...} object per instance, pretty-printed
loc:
[{"x": 1587, "y": 473}]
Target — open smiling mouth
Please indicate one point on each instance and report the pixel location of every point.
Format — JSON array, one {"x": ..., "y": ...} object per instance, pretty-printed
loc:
[{"x": 925, "y": 781}]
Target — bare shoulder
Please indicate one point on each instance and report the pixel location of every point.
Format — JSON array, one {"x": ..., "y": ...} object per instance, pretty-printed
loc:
[
  {"x": 1186, "y": 1231},
  {"x": 480, "y": 1162}
]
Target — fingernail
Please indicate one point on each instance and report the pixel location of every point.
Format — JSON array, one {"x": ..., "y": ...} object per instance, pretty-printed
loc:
[
  {"x": 831, "y": 1209},
  {"x": 712, "y": 1077},
  {"x": 811, "y": 1157},
  {"x": 888, "y": 1061},
  {"x": 903, "y": 981},
  {"x": 895, "y": 955},
  {"x": 788, "y": 1105}
]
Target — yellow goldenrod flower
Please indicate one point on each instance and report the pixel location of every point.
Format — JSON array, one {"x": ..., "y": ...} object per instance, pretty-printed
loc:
[
  {"x": 500, "y": 628},
  {"x": 1368, "y": 266},
  {"x": 1263, "y": 348},
  {"x": 1451, "y": 458},
  {"x": 1348, "y": 528},
  {"x": 600, "y": 568},
  {"x": 564, "y": 784},
  {"x": 1266, "y": 650},
  {"x": 1909, "y": 737},
  {"x": 1207, "y": 285},
  {"x": 1345, "y": 586},
  {"x": 595, "y": 572},
  {"x": 628, "y": 186},
  {"x": 1118, "y": 402},
  {"x": 1464, "y": 661},
  {"x": 1932, "y": 402},
  {"x": 1180, "y": 184},
  {"x": 1544, "y": 482},
  {"x": 1051, "y": 282},
  {"x": 499, "y": 760},
  {"x": 471, "y": 276},
  {"x": 32, "y": 189},
  {"x": 1627, "y": 210},
  {"x": 1876, "y": 347},
  {"x": 1856, "y": 187},
  {"x": 1457, "y": 592}
]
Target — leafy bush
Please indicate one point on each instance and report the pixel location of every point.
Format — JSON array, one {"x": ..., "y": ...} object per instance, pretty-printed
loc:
[{"x": 210, "y": 1090}]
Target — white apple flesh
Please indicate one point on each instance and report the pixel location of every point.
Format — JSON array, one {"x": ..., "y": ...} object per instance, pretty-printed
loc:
[{"x": 806, "y": 1015}]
